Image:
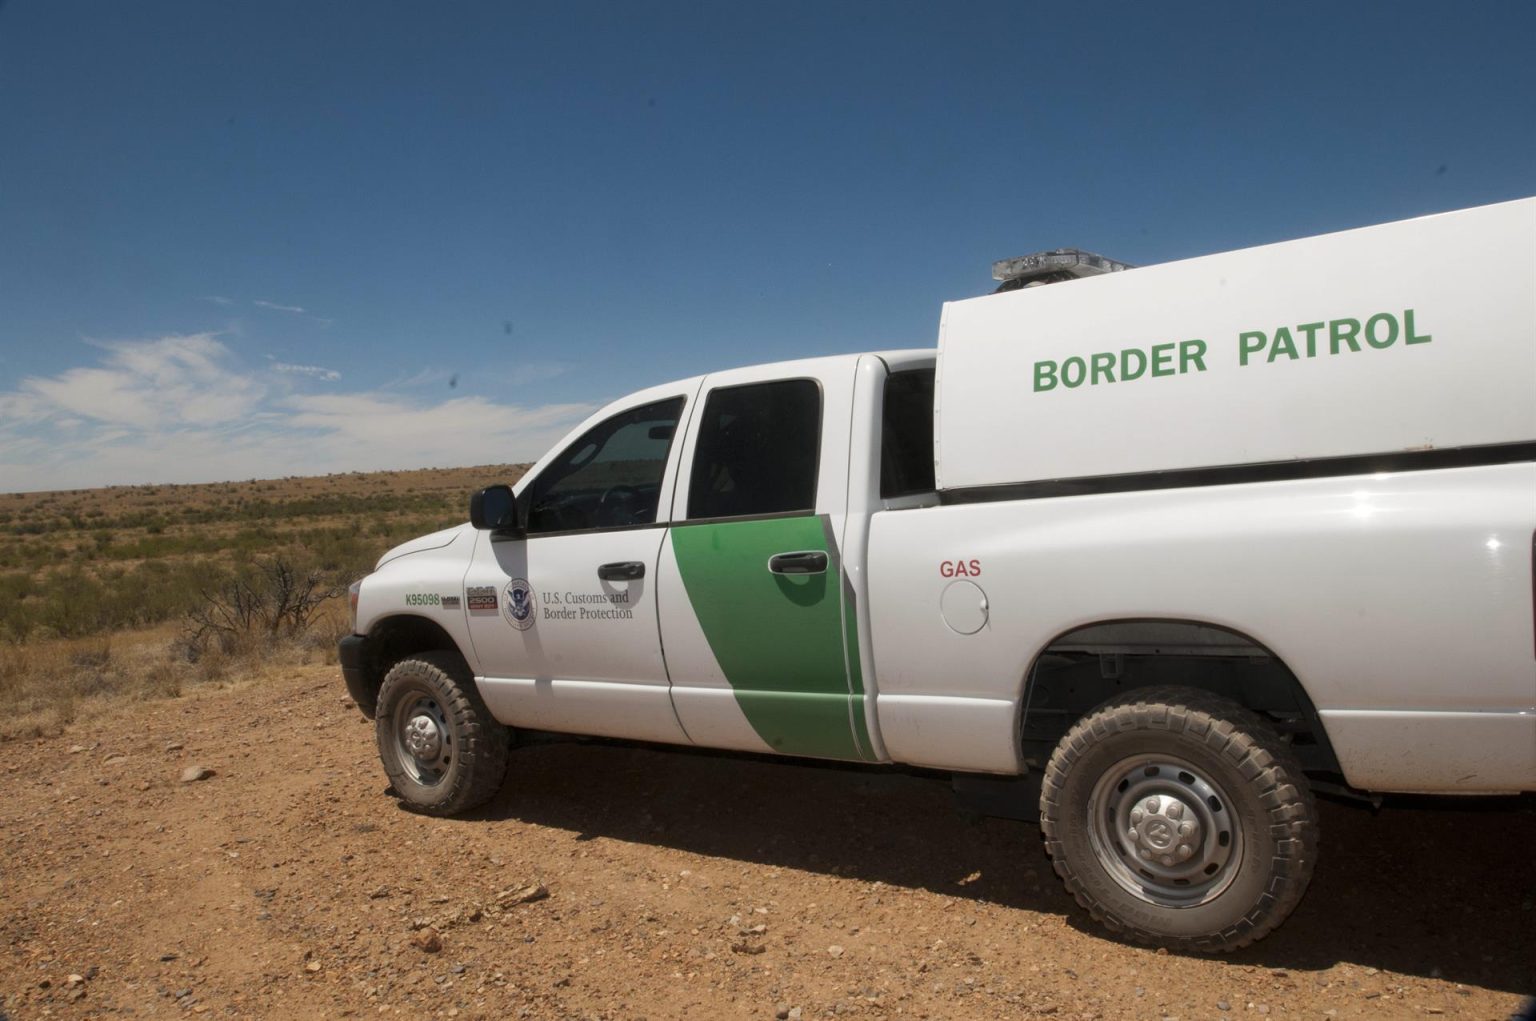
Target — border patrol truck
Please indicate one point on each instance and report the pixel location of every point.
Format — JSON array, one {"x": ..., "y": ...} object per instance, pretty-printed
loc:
[{"x": 1170, "y": 549}]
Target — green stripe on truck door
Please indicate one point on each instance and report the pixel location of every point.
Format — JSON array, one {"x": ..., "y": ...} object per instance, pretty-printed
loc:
[{"x": 779, "y": 639}]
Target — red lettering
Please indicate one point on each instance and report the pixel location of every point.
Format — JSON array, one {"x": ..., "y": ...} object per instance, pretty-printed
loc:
[
  {"x": 947, "y": 569},
  {"x": 960, "y": 568},
  {"x": 975, "y": 568}
]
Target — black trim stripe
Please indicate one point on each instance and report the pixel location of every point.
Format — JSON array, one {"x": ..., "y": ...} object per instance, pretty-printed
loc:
[{"x": 1237, "y": 474}]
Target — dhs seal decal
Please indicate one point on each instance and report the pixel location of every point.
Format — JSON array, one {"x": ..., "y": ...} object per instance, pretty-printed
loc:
[{"x": 519, "y": 604}]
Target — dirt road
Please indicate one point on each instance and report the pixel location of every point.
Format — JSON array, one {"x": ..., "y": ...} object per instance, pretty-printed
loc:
[{"x": 679, "y": 885}]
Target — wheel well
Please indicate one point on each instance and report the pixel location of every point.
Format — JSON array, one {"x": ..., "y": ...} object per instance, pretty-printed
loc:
[
  {"x": 1087, "y": 666},
  {"x": 395, "y": 638}
]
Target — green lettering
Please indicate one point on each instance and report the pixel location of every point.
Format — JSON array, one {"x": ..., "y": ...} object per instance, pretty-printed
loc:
[
  {"x": 1103, "y": 365},
  {"x": 1288, "y": 348},
  {"x": 1192, "y": 352},
  {"x": 1289, "y": 345},
  {"x": 1409, "y": 336},
  {"x": 1370, "y": 330},
  {"x": 1345, "y": 331},
  {"x": 1162, "y": 359},
  {"x": 1126, "y": 372},
  {"x": 1249, "y": 343},
  {"x": 1310, "y": 329},
  {"x": 1073, "y": 366},
  {"x": 1045, "y": 376}
]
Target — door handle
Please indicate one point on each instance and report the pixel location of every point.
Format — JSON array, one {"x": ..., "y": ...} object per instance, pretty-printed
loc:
[
  {"x": 623, "y": 570},
  {"x": 805, "y": 562}
]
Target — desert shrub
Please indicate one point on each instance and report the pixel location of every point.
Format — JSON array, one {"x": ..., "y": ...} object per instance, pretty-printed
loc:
[
  {"x": 274, "y": 600},
  {"x": 73, "y": 603}
]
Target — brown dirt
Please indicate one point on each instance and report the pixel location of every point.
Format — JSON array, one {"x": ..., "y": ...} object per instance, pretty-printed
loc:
[{"x": 291, "y": 885}]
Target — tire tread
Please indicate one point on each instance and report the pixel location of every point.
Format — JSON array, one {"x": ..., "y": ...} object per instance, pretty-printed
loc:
[
  {"x": 484, "y": 744},
  {"x": 1252, "y": 748}
]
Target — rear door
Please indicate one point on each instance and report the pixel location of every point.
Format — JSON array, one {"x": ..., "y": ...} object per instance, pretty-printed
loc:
[{"x": 756, "y": 615}]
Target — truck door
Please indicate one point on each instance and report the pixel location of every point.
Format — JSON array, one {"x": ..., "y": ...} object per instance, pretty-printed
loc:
[
  {"x": 563, "y": 620},
  {"x": 752, "y": 591}
]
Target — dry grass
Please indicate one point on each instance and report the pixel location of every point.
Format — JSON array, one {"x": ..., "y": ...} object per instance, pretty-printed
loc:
[{"x": 96, "y": 586}]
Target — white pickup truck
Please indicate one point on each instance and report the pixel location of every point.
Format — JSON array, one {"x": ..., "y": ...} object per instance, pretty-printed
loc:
[{"x": 1176, "y": 545}]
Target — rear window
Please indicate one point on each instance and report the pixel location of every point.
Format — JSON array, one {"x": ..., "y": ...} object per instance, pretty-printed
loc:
[
  {"x": 906, "y": 434},
  {"x": 758, "y": 450}
]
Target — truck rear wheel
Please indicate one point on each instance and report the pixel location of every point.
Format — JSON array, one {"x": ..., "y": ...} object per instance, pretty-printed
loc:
[
  {"x": 1179, "y": 818},
  {"x": 441, "y": 748}
]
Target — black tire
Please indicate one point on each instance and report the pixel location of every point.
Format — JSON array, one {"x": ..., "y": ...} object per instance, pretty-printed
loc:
[
  {"x": 463, "y": 750},
  {"x": 1245, "y": 821}
]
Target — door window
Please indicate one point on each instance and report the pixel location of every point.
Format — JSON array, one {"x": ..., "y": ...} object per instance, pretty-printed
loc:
[
  {"x": 758, "y": 451},
  {"x": 610, "y": 477}
]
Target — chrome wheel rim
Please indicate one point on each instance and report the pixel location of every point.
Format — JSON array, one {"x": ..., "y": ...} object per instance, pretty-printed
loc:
[
  {"x": 423, "y": 739},
  {"x": 1165, "y": 831}
]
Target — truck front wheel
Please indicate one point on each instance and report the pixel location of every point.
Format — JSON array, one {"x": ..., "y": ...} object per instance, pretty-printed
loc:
[
  {"x": 1179, "y": 818},
  {"x": 441, "y": 748}
]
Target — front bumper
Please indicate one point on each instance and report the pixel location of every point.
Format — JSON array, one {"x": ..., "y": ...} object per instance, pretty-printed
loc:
[{"x": 355, "y": 658}]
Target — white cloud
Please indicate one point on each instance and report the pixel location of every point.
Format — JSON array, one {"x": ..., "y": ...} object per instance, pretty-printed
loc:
[
  {"x": 184, "y": 409},
  {"x": 518, "y": 374},
  {"x": 280, "y": 308},
  {"x": 312, "y": 371},
  {"x": 165, "y": 383}
]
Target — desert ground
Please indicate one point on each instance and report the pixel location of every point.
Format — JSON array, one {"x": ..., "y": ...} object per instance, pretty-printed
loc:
[{"x": 626, "y": 882}]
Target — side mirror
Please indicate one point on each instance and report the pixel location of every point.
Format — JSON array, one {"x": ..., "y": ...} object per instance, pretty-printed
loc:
[{"x": 494, "y": 509}]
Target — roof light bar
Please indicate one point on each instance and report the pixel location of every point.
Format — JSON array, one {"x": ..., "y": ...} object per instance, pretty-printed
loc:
[{"x": 1052, "y": 266}]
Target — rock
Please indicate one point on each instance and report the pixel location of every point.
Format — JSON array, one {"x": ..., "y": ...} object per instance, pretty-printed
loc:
[
  {"x": 141, "y": 786},
  {"x": 74, "y": 980},
  {"x": 782, "y": 1014},
  {"x": 114, "y": 759},
  {"x": 794, "y": 1014},
  {"x": 523, "y": 894},
  {"x": 1223, "y": 1005},
  {"x": 192, "y": 774},
  {"x": 312, "y": 966},
  {"x": 174, "y": 746},
  {"x": 747, "y": 948},
  {"x": 76, "y": 749},
  {"x": 378, "y": 892},
  {"x": 834, "y": 950},
  {"x": 427, "y": 940}
]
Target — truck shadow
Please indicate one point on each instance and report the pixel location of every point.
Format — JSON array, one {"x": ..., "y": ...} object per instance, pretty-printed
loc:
[{"x": 1434, "y": 892}]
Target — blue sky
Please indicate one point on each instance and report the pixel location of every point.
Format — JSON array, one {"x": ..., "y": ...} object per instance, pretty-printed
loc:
[{"x": 291, "y": 238}]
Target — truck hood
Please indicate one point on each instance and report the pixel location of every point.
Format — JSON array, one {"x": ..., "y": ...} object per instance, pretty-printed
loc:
[{"x": 436, "y": 540}]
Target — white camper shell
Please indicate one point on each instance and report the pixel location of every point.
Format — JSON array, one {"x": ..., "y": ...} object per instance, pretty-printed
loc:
[{"x": 1410, "y": 336}]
